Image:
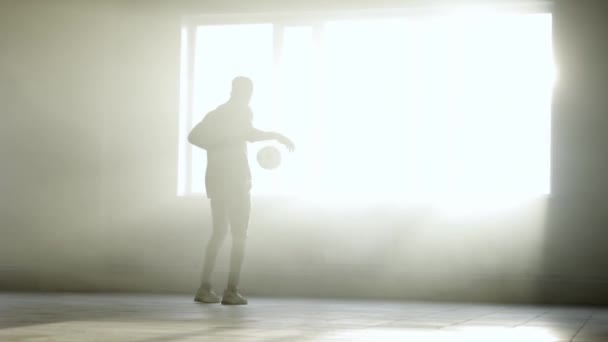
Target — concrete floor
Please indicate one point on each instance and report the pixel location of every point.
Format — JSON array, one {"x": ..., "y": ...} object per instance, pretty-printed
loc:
[{"x": 157, "y": 318}]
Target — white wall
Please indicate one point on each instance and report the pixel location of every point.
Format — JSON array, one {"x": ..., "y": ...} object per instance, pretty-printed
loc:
[{"x": 51, "y": 77}]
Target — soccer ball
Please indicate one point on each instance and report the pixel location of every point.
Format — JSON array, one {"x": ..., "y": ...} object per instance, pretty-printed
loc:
[{"x": 269, "y": 157}]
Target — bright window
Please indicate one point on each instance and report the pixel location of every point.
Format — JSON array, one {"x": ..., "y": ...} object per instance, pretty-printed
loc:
[{"x": 404, "y": 109}]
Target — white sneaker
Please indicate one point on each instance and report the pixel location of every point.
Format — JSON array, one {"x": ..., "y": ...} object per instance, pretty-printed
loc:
[
  {"x": 233, "y": 297},
  {"x": 206, "y": 295}
]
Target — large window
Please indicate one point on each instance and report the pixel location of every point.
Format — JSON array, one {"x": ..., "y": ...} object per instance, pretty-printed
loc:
[{"x": 410, "y": 108}]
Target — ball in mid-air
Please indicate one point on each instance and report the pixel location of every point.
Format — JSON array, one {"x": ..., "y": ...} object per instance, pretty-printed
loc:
[{"x": 269, "y": 157}]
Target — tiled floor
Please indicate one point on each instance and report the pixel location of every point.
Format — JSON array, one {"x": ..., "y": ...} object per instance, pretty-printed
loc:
[{"x": 158, "y": 318}]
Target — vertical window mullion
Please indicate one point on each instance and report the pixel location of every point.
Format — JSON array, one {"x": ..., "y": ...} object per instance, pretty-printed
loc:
[{"x": 190, "y": 102}]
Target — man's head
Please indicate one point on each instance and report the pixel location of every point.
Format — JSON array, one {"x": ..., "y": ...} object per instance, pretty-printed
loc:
[{"x": 242, "y": 89}]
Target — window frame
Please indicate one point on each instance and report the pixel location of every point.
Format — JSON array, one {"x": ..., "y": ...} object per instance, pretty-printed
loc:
[{"x": 280, "y": 21}]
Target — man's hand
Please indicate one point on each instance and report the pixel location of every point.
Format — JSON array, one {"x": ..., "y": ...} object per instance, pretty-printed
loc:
[{"x": 286, "y": 142}]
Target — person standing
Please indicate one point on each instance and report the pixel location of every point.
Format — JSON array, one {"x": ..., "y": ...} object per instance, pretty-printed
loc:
[{"x": 224, "y": 133}]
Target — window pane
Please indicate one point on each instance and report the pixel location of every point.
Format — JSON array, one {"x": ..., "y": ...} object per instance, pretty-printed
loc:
[
  {"x": 296, "y": 116},
  {"x": 439, "y": 107},
  {"x": 222, "y": 53}
]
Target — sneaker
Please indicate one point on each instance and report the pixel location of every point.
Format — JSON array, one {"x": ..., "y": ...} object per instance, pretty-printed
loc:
[
  {"x": 206, "y": 295},
  {"x": 233, "y": 297}
]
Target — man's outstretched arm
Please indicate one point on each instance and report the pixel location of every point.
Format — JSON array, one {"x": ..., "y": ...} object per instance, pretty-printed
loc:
[
  {"x": 209, "y": 134},
  {"x": 259, "y": 135}
]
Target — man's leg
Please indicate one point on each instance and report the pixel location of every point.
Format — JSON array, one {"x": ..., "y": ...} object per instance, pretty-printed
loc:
[
  {"x": 238, "y": 213},
  {"x": 220, "y": 229}
]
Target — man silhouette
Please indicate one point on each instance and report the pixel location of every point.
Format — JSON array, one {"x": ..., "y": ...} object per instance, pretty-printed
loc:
[{"x": 224, "y": 133}]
